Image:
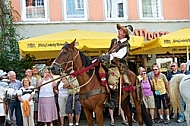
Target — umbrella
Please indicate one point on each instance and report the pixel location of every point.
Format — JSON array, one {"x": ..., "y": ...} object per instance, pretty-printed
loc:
[
  {"x": 174, "y": 42},
  {"x": 90, "y": 43}
]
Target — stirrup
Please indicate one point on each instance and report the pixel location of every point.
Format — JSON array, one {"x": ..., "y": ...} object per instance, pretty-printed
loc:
[
  {"x": 110, "y": 106},
  {"x": 105, "y": 101}
]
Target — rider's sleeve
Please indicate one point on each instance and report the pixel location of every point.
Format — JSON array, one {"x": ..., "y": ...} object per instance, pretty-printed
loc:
[{"x": 120, "y": 54}]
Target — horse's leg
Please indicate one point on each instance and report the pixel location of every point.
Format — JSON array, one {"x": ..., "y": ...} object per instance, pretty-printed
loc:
[
  {"x": 133, "y": 78},
  {"x": 137, "y": 103},
  {"x": 126, "y": 109},
  {"x": 89, "y": 117},
  {"x": 187, "y": 114},
  {"x": 99, "y": 115}
]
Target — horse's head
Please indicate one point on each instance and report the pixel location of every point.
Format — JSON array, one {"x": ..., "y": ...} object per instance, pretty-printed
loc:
[{"x": 65, "y": 58}]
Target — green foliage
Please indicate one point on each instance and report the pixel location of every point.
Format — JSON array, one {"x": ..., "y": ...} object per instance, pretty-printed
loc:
[{"x": 9, "y": 49}]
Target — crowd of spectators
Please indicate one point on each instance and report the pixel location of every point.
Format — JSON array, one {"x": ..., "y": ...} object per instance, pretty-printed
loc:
[
  {"x": 155, "y": 86},
  {"x": 37, "y": 102}
]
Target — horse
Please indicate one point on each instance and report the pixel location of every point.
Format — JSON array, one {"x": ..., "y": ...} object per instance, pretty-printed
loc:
[
  {"x": 179, "y": 87},
  {"x": 92, "y": 93}
]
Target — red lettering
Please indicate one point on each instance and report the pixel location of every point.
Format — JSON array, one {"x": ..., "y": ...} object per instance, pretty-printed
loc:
[
  {"x": 144, "y": 32},
  {"x": 167, "y": 32},
  {"x": 149, "y": 36},
  {"x": 161, "y": 33},
  {"x": 156, "y": 35},
  {"x": 136, "y": 32}
]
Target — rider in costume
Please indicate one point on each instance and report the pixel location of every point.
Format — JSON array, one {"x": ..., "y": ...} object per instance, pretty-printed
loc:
[{"x": 117, "y": 56}]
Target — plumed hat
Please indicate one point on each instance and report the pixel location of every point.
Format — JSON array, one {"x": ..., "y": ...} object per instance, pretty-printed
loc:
[{"x": 127, "y": 29}]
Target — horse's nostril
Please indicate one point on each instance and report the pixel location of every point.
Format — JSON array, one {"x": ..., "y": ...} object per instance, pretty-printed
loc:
[{"x": 52, "y": 68}]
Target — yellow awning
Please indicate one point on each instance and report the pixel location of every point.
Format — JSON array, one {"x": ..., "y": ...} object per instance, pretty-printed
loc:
[
  {"x": 174, "y": 42},
  {"x": 89, "y": 42}
]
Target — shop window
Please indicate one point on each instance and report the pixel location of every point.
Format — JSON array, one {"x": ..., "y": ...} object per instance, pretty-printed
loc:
[
  {"x": 150, "y": 9},
  {"x": 116, "y": 9},
  {"x": 75, "y": 9},
  {"x": 34, "y": 10}
]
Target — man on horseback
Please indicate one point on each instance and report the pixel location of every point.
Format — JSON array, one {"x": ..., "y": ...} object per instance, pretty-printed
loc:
[{"x": 117, "y": 58}]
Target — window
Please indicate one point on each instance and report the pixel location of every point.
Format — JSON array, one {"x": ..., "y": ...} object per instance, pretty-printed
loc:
[
  {"x": 150, "y": 9},
  {"x": 116, "y": 9},
  {"x": 75, "y": 9},
  {"x": 34, "y": 10},
  {"x": 79, "y": 4}
]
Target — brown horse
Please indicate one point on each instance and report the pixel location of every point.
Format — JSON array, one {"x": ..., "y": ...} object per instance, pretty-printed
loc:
[{"x": 92, "y": 93}]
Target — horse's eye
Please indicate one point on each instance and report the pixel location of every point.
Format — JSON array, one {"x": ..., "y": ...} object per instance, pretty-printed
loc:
[{"x": 64, "y": 51}]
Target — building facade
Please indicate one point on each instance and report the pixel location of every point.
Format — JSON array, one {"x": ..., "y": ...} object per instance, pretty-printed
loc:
[{"x": 150, "y": 18}]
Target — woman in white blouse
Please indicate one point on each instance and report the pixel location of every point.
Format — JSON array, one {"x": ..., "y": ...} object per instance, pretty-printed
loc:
[
  {"x": 27, "y": 104},
  {"x": 47, "y": 110},
  {"x": 62, "y": 98}
]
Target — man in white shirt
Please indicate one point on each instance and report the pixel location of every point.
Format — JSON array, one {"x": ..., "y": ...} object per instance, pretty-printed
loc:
[{"x": 117, "y": 56}]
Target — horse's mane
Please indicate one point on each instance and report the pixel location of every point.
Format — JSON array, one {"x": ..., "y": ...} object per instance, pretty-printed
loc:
[
  {"x": 85, "y": 60},
  {"x": 174, "y": 91}
]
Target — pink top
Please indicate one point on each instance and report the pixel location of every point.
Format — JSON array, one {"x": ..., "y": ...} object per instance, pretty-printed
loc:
[{"x": 146, "y": 86}]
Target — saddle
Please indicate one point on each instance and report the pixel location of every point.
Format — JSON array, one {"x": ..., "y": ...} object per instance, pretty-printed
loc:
[{"x": 112, "y": 77}]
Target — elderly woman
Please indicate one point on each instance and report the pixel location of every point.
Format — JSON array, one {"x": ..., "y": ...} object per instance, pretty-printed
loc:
[
  {"x": 47, "y": 111},
  {"x": 27, "y": 104}
]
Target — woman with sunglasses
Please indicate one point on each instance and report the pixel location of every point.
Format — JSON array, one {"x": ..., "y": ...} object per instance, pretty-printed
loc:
[
  {"x": 148, "y": 94},
  {"x": 160, "y": 85}
]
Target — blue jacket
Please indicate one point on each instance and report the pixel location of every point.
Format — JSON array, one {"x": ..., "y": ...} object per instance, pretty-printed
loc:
[
  {"x": 171, "y": 73},
  {"x": 186, "y": 72}
]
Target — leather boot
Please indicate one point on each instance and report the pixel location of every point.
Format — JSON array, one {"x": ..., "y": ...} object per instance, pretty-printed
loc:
[{"x": 111, "y": 103}]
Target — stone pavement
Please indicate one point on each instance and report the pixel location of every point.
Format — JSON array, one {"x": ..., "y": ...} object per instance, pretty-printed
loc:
[{"x": 118, "y": 122}]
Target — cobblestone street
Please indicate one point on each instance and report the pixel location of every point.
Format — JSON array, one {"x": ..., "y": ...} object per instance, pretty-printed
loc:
[{"x": 118, "y": 122}]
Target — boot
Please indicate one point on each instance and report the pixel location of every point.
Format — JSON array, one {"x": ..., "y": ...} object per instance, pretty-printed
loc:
[{"x": 111, "y": 103}]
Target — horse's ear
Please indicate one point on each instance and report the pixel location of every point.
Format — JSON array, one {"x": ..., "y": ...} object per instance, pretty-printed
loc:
[{"x": 73, "y": 43}]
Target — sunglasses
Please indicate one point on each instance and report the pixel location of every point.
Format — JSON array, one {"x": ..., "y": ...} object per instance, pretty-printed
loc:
[
  {"x": 143, "y": 73},
  {"x": 172, "y": 65},
  {"x": 155, "y": 69}
]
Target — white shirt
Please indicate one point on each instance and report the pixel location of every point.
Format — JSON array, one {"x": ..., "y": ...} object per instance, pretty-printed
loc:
[
  {"x": 46, "y": 90},
  {"x": 121, "y": 53},
  {"x": 27, "y": 95},
  {"x": 63, "y": 92}
]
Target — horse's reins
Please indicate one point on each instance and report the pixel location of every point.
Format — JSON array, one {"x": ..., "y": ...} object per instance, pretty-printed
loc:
[
  {"x": 186, "y": 79},
  {"x": 72, "y": 62},
  {"x": 63, "y": 63},
  {"x": 114, "y": 47}
]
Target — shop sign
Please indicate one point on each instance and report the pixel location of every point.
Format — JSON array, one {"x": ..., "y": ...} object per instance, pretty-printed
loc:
[{"x": 149, "y": 35}]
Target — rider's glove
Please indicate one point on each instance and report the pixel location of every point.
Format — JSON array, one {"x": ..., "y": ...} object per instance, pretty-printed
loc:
[{"x": 104, "y": 57}]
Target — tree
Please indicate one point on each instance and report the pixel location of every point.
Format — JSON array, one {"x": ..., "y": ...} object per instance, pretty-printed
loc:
[{"x": 10, "y": 58}]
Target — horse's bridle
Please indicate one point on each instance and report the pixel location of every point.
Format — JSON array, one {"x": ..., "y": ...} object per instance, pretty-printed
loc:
[{"x": 66, "y": 63}]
